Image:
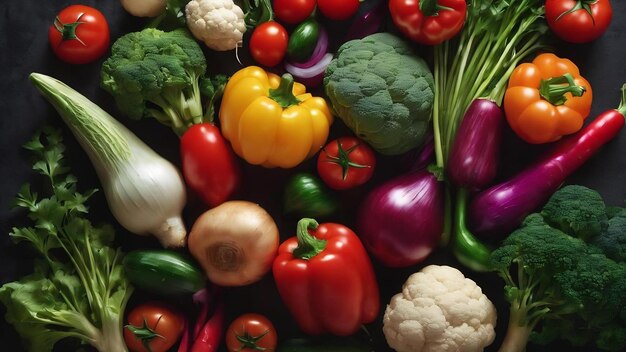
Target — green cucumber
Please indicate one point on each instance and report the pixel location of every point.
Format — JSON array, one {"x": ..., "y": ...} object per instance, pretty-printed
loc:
[
  {"x": 163, "y": 272},
  {"x": 303, "y": 39}
]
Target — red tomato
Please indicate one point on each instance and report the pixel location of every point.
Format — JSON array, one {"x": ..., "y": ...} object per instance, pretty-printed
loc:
[
  {"x": 268, "y": 43},
  {"x": 578, "y": 21},
  {"x": 79, "y": 34},
  {"x": 155, "y": 325},
  {"x": 428, "y": 22},
  {"x": 209, "y": 165},
  {"x": 346, "y": 163},
  {"x": 251, "y": 332},
  {"x": 293, "y": 11},
  {"x": 338, "y": 10}
]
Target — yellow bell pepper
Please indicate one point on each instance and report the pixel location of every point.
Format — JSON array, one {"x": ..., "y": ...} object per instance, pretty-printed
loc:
[{"x": 272, "y": 121}]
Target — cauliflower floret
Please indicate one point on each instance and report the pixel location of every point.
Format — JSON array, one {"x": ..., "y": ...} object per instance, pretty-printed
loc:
[
  {"x": 218, "y": 23},
  {"x": 439, "y": 310}
]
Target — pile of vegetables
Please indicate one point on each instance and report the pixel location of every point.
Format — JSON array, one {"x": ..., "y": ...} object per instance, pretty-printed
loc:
[{"x": 327, "y": 118}]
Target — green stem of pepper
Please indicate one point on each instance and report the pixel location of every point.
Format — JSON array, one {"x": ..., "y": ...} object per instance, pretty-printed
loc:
[
  {"x": 283, "y": 95},
  {"x": 431, "y": 7},
  {"x": 308, "y": 246},
  {"x": 554, "y": 89}
]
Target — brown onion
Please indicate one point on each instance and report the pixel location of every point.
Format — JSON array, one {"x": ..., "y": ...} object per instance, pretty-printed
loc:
[{"x": 234, "y": 242}]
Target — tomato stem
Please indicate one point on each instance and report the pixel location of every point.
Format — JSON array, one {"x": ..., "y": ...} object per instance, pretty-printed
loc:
[
  {"x": 145, "y": 333},
  {"x": 554, "y": 89},
  {"x": 308, "y": 246},
  {"x": 68, "y": 30},
  {"x": 251, "y": 342},
  {"x": 343, "y": 159},
  {"x": 581, "y": 5}
]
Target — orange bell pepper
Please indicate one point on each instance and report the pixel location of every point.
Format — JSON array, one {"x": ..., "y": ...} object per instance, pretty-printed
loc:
[
  {"x": 547, "y": 99},
  {"x": 272, "y": 121}
]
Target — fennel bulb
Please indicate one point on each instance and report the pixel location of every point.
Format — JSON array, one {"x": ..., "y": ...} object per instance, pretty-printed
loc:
[{"x": 145, "y": 192}]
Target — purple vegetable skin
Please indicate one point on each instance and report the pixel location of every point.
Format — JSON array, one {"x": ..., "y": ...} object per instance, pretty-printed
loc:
[
  {"x": 501, "y": 208},
  {"x": 400, "y": 222},
  {"x": 472, "y": 165},
  {"x": 473, "y": 160}
]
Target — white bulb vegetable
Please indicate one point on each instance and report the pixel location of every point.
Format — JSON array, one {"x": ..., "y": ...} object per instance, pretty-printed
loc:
[{"x": 145, "y": 192}]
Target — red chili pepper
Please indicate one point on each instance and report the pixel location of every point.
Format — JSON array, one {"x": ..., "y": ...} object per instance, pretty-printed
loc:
[
  {"x": 211, "y": 334},
  {"x": 326, "y": 279},
  {"x": 209, "y": 165},
  {"x": 428, "y": 22},
  {"x": 204, "y": 335},
  {"x": 502, "y": 207}
]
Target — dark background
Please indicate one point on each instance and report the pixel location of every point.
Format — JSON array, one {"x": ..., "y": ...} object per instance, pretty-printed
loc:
[{"x": 24, "y": 49}]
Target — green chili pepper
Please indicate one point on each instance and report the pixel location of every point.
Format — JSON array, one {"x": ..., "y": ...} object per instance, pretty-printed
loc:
[
  {"x": 303, "y": 39},
  {"x": 306, "y": 195}
]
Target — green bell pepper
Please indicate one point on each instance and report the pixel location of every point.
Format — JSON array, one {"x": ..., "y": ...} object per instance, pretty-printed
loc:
[{"x": 307, "y": 196}]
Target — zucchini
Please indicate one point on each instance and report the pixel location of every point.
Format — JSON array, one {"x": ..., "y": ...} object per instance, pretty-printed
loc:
[
  {"x": 302, "y": 40},
  {"x": 163, "y": 271}
]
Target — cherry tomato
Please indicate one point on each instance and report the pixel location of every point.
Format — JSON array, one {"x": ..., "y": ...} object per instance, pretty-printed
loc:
[
  {"x": 293, "y": 11},
  {"x": 338, "y": 9},
  {"x": 268, "y": 43},
  {"x": 578, "y": 21},
  {"x": 153, "y": 326},
  {"x": 345, "y": 163},
  {"x": 209, "y": 164},
  {"x": 251, "y": 332},
  {"x": 79, "y": 34}
]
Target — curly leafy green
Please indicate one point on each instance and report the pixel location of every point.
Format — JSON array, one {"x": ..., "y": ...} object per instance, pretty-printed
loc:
[{"x": 78, "y": 288}]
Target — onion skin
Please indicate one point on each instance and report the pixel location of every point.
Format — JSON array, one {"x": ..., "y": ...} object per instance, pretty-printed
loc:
[
  {"x": 235, "y": 243},
  {"x": 401, "y": 221},
  {"x": 473, "y": 160}
]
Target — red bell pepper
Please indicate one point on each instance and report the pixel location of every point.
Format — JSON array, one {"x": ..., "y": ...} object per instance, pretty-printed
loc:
[
  {"x": 326, "y": 279},
  {"x": 428, "y": 22},
  {"x": 209, "y": 165}
]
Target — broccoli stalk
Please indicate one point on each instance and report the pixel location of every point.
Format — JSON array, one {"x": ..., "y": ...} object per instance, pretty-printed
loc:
[
  {"x": 157, "y": 74},
  {"x": 556, "y": 283}
]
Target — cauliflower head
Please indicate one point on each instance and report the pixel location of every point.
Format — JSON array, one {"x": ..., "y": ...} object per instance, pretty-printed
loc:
[
  {"x": 439, "y": 310},
  {"x": 218, "y": 23},
  {"x": 382, "y": 91}
]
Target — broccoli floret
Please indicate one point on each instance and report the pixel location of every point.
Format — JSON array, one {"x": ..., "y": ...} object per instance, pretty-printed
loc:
[
  {"x": 382, "y": 91},
  {"x": 550, "y": 277},
  {"x": 613, "y": 241},
  {"x": 576, "y": 210},
  {"x": 156, "y": 73}
]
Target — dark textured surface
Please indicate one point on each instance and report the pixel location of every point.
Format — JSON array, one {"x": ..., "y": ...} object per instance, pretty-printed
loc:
[{"x": 24, "y": 49}]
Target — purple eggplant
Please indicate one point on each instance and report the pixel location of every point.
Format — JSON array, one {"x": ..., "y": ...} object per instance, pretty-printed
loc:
[
  {"x": 400, "y": 222},
  {"x": 472, "y": 165},
  {"x": 473, "y": 160},
  {"x": 501, "y": 208}
]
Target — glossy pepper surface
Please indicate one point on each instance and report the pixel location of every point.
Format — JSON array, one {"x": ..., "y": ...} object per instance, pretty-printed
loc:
[
  {"x": 326, "y": 279},
  {"x": 428, "y": 22},
  {"x": 547, "y": 99},
  {"x": 307, "y": 195},
  {"x": 271, "y": 120}
]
